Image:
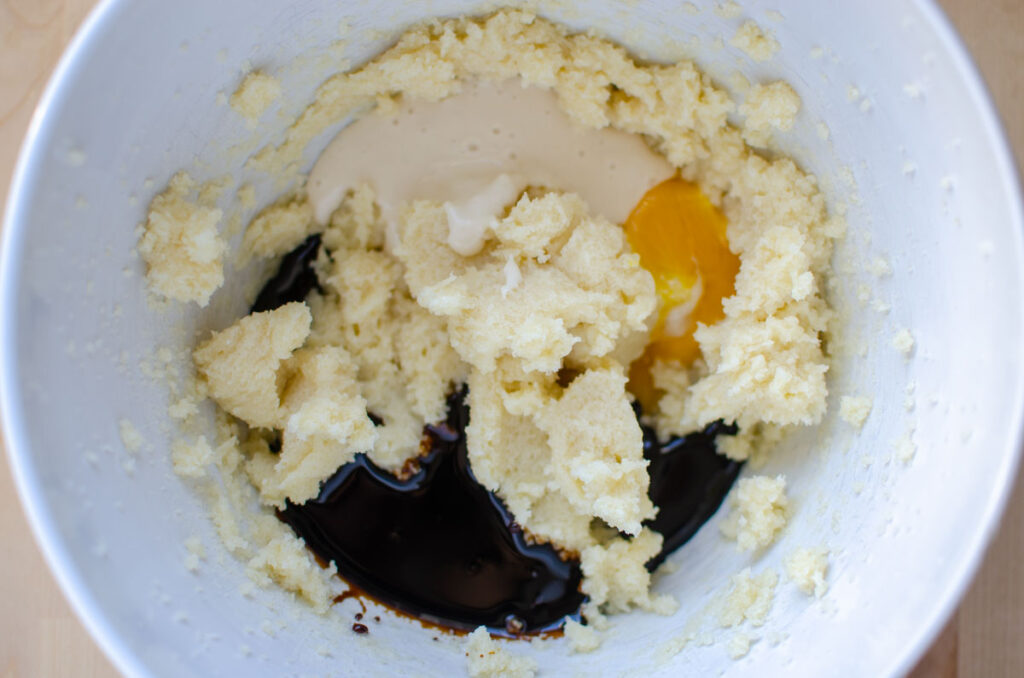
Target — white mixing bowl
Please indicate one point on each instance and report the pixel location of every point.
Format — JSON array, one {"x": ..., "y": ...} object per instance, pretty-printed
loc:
[{"x": 917, "y": 155}]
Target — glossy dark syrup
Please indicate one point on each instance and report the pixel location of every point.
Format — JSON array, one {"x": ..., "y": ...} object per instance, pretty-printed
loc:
[
  {"x": 689, "y": 480},
  {"x": 436, "y": 545},
  {"x": 294, "y": 280}
]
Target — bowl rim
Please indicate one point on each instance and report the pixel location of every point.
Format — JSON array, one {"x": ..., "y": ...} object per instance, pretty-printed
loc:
[
  {"x": 85, "y": 605},
  {"x": 92, "y": 614},
  {"x": 1006, "y": 478}
]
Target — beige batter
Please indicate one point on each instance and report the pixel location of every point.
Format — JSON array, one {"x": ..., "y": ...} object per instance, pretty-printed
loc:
[{"x": 476, "y": 152}]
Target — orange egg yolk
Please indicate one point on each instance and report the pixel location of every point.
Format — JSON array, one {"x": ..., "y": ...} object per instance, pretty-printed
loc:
[{"x": 680, "y": 238}]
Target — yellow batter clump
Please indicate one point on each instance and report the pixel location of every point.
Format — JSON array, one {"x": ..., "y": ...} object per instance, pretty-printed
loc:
[
  {"x": 181, "y": 246},
  {"x": 255, "y": 95}
]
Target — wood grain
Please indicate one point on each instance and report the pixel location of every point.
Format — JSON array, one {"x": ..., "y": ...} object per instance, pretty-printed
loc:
[{"x": 41, "y": 637}]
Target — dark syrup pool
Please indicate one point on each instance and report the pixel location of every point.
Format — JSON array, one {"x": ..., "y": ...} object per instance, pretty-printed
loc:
[{"x": 436, "y": 545}]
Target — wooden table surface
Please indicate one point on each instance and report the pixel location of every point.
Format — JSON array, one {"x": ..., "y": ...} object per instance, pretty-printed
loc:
[{"x": 40, "y": 636}]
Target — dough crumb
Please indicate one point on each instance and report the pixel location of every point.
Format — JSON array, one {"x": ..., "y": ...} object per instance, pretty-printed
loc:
[
  {"x": 904, "y": 447},
  {"x": 760, "y": 508},
  {"x": 323, "y": 422},
  {"x": 196, "y": 552},
  {"x": 767, "y": 108},
  {"x": 752, "y": 443},
  {"x": 903, "y": 341},
  {"x": 749, "y": 598},
  {"x": 286, "y": 560},
  {"x": 190, "y": 460},
  {"x": 594, "y": 437},
  {"x": 673, "y": 646},
  {"x": 255, "y": 95},
  {"x": 909, "y": 401},
  {"x": 880, "y": 267},
  {"x": 181, "y": 246},
  {"x": 581, "y": 638},
  {"x": 187, "y": 405},
  {"x": 487, "y": 659},
  {"x": 914, "y": 90},
  {"x": 765, "y": 361},
  {"x": 130, "y": 436},
  {"x": 729, "y": 9},
  {"x": 616, "y": 577},
  {"x": 739, "y": 644},
  {"x": 758, "y": 45},
  {"x": 211, "y": 191},
  {"x": 807, "y": 568},
  {"x": 854, "y": 410},
  {"x": 278, "y": 229},
  {"x": 240, "y": 364}
]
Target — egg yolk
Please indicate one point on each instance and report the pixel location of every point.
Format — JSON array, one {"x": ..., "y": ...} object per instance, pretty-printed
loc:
[{"x": 680, "y": 238}]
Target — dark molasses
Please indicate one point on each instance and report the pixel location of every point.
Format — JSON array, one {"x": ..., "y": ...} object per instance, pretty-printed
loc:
[
  {"x": 436, "y": 544},
  {"x": 689, "y": 480},
  {"x": 294, "y": 280}
]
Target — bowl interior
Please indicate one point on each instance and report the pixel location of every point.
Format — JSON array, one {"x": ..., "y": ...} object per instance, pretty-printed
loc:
[{"x": 916, "y": 158}]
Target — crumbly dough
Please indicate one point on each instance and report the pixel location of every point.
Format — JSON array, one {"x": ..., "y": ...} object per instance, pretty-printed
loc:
[
  {"x": 582, "y": 294},
  {"x": 487, "y": 659},
  {"x": 181, "y": 246},
  {"x": 256, "y": 371},
  {"x": 807, "y": 568},
  {"x": 583, "y": 300},
  {"x": 615, "y": 576},
  {"x": 267, "y": 546},
  {"x": 750, "y": 598},
  {"x": 903, "y": 341},
  {"x": 542, "y": 323},
  {"x": 196, "y": 553},
  {"x": 240, "y": 364},
  {"x": 277, "y": 229},
  {"x": 581, "y": 638},
  {"x": 880, "y": 267},
  {"x": 904, "y": 447},
  {"x": 854, "y": 410},
  {"x": 753, "y": 443},
  {"x": 130, "y": 436},
  {"x": 764, "y": 360},
  {"x": 766, "y": 108},
  {"x": 255, "y": 95},
  {"x": 739, "y": 645},
  {"x": 759, "y": 510},
  {"x": 190, "y": 460},
  {"x": 729, "y": 10},
  {"x": 758, "y": 45}
]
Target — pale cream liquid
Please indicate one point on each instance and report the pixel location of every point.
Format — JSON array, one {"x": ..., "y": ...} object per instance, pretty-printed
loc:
[{"x": 477, "y": 152}]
